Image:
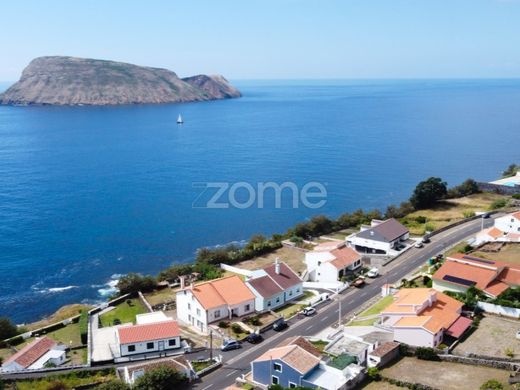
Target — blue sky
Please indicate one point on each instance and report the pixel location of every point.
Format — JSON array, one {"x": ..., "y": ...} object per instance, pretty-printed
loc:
[{"x": 249, "y": 39}]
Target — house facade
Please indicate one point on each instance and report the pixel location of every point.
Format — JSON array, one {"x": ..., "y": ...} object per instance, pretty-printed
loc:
[
  {"x": 274, "y": 286},
  {"x": 35, "y": 355},
  {"x": 423, "y": 316},
  {"x": 381, "y": 237},
  {"x": 152, "y": 333},
  {"x": 330, "y": 262},
  {"x": 509, "y": 223},
  {"x": 505, "y": 229},
  {"x": 460, "y": 272},
  {"x": 215, "y": 300}
]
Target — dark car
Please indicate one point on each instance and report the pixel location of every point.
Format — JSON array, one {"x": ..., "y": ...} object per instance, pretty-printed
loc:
[
  {"x": 254, "y": 338},
  {"x": 280, "y": 325},
  {"x": 229, "y": 345},
  {"x": 425, "y": 240}
]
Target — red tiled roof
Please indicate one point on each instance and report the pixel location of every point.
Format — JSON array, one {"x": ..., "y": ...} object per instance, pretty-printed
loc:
[
  {"x": 384, "y": 349},
  {"x": 344, "y": 257},
  {"x": 32, "y": 352},
  {"x": 286, "y": 278},
  {"x": 459, "y": 327},
  {"x": 148, "y": 332},
  {"x": 302, "y": 342},
  {"x": 265, "y": 286},
  {"x": 230, "y": 290}
]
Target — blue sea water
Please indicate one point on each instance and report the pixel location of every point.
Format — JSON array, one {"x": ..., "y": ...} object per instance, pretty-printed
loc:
[{"x": 87, "y": 193}]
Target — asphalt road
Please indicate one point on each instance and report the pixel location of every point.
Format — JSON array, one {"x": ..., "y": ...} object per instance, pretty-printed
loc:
[{"x": 237, "y": 362}]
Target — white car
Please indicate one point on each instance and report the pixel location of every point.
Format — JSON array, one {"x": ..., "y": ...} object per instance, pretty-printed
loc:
[
  {"x": 518, "y": 335},
  {"x": 373, "y": 273},
  {"x": 418, "y": 244}
]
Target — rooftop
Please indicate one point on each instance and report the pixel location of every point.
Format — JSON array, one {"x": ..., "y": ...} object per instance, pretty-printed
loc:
[
  {"x": 230, "y": 290},
  {"x": 265, "y": 286},
  {"x": 292, "y": 355},
  {"x": 386, "y": 231},
  {"x": 344, "y": 257},
  {"x": 32, "y": 352},
  {"x": 303, "y": 343},
  {"x": 385, "y": 349},
  {"x": 286, "y": 278},
  {"x": 148, "y": 332}
]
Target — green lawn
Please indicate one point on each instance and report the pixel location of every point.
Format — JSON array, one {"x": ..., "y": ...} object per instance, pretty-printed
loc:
[
  {"x": 289, "y": 310},
  {"x": 165, "y": 295},
  {"x": 70, "y": 381},
  {"x": 68, "y": 335},
  {"x": 320, "y": 344},
  {"x": 198, "y": 366},
  {"x": 124, "y": 312},
  {"x": 378, "y": 306}
]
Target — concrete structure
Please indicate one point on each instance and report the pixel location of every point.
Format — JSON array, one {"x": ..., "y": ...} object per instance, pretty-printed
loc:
[
  {"x": 153, "y": 332},
  {"x": 512, "y": 181},
  {"x": 505, "y": 229},
  {"x": 384, "y": 354},
  {"x": 215, "y": 300},
  {"x": 381, "y": 237},
  {"x": 131, "y": 373},
  {"x": 274, "y": 286},
  {"x": 460, "y": 272},
  {"x": 329, "y": 262},
  {"x": 37, "y": 354},
  {"x": 422, "y": 316}
]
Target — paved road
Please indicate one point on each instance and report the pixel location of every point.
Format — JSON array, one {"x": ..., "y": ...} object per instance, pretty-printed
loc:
[{"x": 238, "y": 362}]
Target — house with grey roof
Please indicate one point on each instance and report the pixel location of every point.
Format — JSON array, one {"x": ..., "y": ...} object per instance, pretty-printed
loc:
[
  {"x": 274, "y": 286},
  {"x": 381, "y": 237}
]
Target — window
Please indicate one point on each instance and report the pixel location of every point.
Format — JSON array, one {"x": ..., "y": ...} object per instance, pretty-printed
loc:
[
  {"x": 189, "y": 317},
  {"x": 217, "y": 313},
  {"x": 290, "y": 293},
  {"x": 149, "y": 345},
  {"x": 275, "y": 380},
  {"x": 172, "y": 342},
  {"x": 278, "y": 300},
  {"x": 198, "y": 312},
  {"x": 292, "y": 385},
  {"x": 189, "y": 306},
  {"x": 298, "y": 290},
  {"x": 277, "y": 367},
  {"x": 131, "y": 348},
  {"x": 268, "y": 303},
  {"x": 247, "y": 307}
]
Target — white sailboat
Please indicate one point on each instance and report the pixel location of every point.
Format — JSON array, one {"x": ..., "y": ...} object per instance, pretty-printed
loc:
[{"x": 179, "y": 120}]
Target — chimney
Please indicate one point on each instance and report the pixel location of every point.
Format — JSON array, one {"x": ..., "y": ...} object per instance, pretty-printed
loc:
[
  {"x": 182, "y": 279},
  {"x": 277, "y": 265}
]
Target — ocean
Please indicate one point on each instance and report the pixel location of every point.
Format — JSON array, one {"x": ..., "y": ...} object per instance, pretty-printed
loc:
[{"x": 90, "y": 193}]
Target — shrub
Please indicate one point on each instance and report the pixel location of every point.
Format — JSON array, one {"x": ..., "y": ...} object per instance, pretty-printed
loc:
[
  {"x": 7, "y": 328},
  {"x": 468, "y": 214},
  {"x": 426, "y": 354},
  {"x": 373, "y": 373},
  {"x": 429, "y": 227},
  {"x": 237, "y": 328},
  {"x": 83, "y": 326},
  {"x": 223, "y": 324},
  {"x": 467, "y": 248},
  {"x": 498, "y": 204},
  {"x": 492, "y": 384},
  {"x": 516, "y": 196},
  {"x": 132, "y": 283},
  {"x": 509, "y": 352},
  {"x": 428, "y": 192},
  {"x": 511, "y": 170},
  {"x": 113, "y": 385},
  {"x": 421, "y": 219},
  {"x": 161, "y": 378}
]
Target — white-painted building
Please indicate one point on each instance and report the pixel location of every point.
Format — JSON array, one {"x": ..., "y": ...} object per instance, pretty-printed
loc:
[
  {"x": 505, "y": 229},
  {"x": 37, "y": 354},
  {"x": 509, "y": 223},
  {"x": 274, "y": 286},
  {"x": 215, "y": 300},
  {"x": 330, "y": 261},
  {"x": 153, "y": 332},
  {"x": 381, "y": 237}
]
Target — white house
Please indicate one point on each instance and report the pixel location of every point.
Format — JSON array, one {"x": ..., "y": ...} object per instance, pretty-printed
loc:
[
  {"x": 509, "y": 223},
  {"x": 381, "y": 237},
  {"x": 330, "y": 261},
  {"x": 215, "y": 300},
  {"x": 423, "y": 316},
  {"x": 153, "y": 332},
  {"x": 274, "y": 285},
  {"x": 37, "y": 354},
  {"x": 132, "y": 372},
  {"x": 505, "y": 229}
]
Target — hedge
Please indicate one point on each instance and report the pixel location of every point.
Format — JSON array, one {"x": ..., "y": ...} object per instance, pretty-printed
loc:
[{"x": 83, "y": 326}]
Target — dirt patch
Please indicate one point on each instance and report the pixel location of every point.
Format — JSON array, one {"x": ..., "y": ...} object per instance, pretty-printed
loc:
[
  {"x": 293, "y": 257},
  {"x": 509, "y": 252},
  {"x": 380, "y": 386},
  {"x": 444, "y": 375},
  {"x": 493, "y": 336}
]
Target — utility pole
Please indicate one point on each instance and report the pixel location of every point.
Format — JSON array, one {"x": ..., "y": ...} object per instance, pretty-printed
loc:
[
  {"x": 339, "y": 310},
  {"x": 211, "y": 345},
  {"x": 482, "y": 218}
]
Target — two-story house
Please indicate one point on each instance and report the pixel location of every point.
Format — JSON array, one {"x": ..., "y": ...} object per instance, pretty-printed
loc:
[
  {"x": 381, "y": 237},
  {"x": 274, "y": 286},
  {"x": 330, "y": 261},
  {"x": 505, "y": 229},
  {"x": 215, "y": 300},
  {"x": 422, "y": 316}
]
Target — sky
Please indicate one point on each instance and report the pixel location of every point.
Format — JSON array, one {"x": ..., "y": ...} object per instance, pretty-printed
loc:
[{"x": 272, "y": 39}]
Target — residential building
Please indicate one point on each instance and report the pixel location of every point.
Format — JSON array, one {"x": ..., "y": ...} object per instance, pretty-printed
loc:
[
  {"x": 511, "y": 181},
  {"x": 330, "y": 262},
  {"x": 274, "y": 286},
  {"x": 460, "y": 272},
  {"x": 131, "y": 373},
  {"x": 153, "y": 332},
  {"x": 39, "y": 353},
  {"x": 381, "y": 237},
  {"x": 215, "y": 300},
  {"x": 509, "y": 223},
  {"x": 423, "y": 316},
  {"x": 505, "y": 229},
  {"x": 384, "y": 354}
]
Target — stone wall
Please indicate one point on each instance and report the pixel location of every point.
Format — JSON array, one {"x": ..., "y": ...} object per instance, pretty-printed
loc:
[
  {"x": 499, "y": 189},
  {"x": 502, "y": 365}
]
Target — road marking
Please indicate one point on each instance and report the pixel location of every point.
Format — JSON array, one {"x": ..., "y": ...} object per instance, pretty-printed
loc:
[
  {"x": 207, "y": 387},
  {"x": 309, "y": 327},
  {"x": 324, "y": 318},
  {"x": 231, "y": 373},
  {"x": 363, "y": 294}
]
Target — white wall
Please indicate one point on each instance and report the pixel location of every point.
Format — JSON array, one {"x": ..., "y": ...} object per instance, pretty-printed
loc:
[
  {"x": 379, "y": 245},
  {"x": 501, "y": 310},
  {"x": 191, "y": 312},
  {"x": 142, "y": 347},
  {"x": 414, "y": 336},
  {"x": 508, "y": 224},
  {"x": 439, "y": 285}
]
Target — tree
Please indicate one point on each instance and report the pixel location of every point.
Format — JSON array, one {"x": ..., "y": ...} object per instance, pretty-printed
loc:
[
  {"x": 492, "y": 384},
  {"x": 373, "y": 373},
  {"x": 7, "y": 328},
  {"x": 132, "y": 283},
  {"x": 113, "y": 385},
  {"x": 511, "y": 170},
  {"x": 468, "y": 187},
  {"x": 428, "y": 192},
  {"x": 57, "y": 385},
  {"x": 161, "y": 378}
]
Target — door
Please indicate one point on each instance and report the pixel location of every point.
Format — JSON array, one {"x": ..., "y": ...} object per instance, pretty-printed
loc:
[{"x": 161, "y": 345}]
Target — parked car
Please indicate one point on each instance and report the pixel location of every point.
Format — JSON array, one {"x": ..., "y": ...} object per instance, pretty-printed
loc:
[
  {"x": 373, "y": 273},
  {"x": 254, "y": 338},
  {"x": 518, "y": 335},
  {"x": 419, "y": 244},
  {"x": 425, "y": 240},
  {"x": 358, "y": 283},
  {"x": 308, "y": 311},
  {"x": 280, "y": 325},
  {"x": 230, "y": 344}
]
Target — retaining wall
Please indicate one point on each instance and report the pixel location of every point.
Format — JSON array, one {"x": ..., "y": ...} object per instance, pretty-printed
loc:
[
  {"x": 499, "y": 189},
  {"x": 500, "y": 310}
]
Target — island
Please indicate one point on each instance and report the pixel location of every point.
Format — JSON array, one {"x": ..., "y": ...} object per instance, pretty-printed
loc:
[{"x": 59, "y": 80}]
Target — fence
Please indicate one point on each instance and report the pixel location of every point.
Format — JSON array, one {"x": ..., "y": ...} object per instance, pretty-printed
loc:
[
  {"x": 236, "y": 270},
  {"x": 498, "y": 309}
]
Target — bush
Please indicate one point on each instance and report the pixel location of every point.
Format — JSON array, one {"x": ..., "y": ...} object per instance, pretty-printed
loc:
[
  {"x": 237, "y": 328},
  {"x": 492, "y": 384},
  {"x": 83, "y": 326},
  {"x": 7, "y": 328},
  {"x": 429, "y": 227},
  {"x": 421, "y": 219},
  {"x": 113, "y": 385},
  {"x": 424, "y": 353},
  {"x": 223, "y": 324},
  {"x": 467, "y": 248},
  {"x": 468, "y": 214},
  {"x": 469, "y": 187},
  {"x": 161, "y": 378},
  {"x": 498, "y": 204},
  {"x": 511, "y": 170},
  {"x": 428, "y": 192},
  {"x": 516, "y": 196},
  {"x": 133, "y": 283},
  {"x": 509, "y": 352},
  {"x": 373, "y": 373}
]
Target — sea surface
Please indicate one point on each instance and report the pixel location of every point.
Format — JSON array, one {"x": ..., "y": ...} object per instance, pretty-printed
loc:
[{"x": 89, "y": 193}]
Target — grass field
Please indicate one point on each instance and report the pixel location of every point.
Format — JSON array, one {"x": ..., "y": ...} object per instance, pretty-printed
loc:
[
  {"x": 62, "y": 314},
  {"x": 293, "y": 257},
  {"x": 289, "y": 310},
  {"x": 160, "y": 296},
  {"x": 509, "y": 253},
  {"x": 450, "y": 211},
  {"x": 124, "y": 312},
  {"x": 372, "y": 311}
]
